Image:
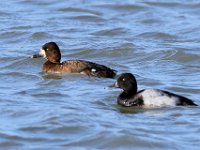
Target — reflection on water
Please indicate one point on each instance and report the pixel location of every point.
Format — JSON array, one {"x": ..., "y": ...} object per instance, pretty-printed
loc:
[{"x": 148, "y": 38}]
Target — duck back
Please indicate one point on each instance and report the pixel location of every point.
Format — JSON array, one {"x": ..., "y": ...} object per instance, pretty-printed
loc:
[{"x": 79, "y": 66}]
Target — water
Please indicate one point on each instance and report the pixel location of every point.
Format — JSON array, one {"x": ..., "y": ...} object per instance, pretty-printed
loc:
[{"x": 158, "y": 41}]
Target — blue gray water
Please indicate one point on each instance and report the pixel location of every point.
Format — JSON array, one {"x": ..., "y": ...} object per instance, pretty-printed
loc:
[{"x": 158, "y": 41}]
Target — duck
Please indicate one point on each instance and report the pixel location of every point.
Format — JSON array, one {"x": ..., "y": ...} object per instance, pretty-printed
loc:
[
  {"x": 146, "y": 97},
  {"x": 52, "y": 53}
]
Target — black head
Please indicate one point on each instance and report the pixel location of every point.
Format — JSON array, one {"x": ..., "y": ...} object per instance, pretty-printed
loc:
[
  {"x": 127, "y": 82},
  {"x": 52, "y": 52}
]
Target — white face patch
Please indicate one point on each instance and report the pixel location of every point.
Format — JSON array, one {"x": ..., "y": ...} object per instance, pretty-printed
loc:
[
  {"x": 156, "y": 98},
  {"x": 42, "y": 53},
  {"x": 116, "y": 85}
]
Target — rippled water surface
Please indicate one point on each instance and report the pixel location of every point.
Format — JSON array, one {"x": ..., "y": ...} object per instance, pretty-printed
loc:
[{"x": 158, "y": 41}]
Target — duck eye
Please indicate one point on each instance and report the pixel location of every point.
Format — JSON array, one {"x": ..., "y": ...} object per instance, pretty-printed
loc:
[
  {"x": 124, "y": 79},
  {"x": 45, "y": 49}
]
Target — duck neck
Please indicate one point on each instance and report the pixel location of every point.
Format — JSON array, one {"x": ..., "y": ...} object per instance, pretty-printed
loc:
[
  {"x": 127, "y": 94},
  {"x": 56, "y": 62}
]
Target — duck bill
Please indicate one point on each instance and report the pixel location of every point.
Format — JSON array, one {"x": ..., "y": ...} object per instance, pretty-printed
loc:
[
  {"x": 115, "y": 85},
  {"x": 40, "y": 54}
]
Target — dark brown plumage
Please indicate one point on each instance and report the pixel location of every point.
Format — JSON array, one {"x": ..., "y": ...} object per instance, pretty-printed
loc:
[{"x": 53, "y": 65}]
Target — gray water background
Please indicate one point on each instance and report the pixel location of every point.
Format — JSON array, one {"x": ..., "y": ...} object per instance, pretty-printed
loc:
[{"x": 158, "y": 41}]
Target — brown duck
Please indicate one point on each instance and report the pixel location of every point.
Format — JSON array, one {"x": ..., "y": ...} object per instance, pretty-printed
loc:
[{"x": 51, "y": 51}]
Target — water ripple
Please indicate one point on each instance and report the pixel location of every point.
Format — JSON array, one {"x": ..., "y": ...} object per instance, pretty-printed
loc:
[
  {"x": 80, "y": 10},
  {"x": 157, "y": 35},
  {"x": 111, "y": 32},
  {"x": 87, "y": 18},
  {"x": 70, "y": 111}
]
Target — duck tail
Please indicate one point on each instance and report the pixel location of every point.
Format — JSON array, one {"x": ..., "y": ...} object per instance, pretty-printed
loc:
[
  {"x": 185, "y": 101},
  {"x": 105, "y": 73},
  {"x": 98, "y": 70}
]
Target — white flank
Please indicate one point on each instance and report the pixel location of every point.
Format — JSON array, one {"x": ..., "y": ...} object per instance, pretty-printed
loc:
[
  {"x": 93, "y": 70},
  {"x": 156, "y": 98}
]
